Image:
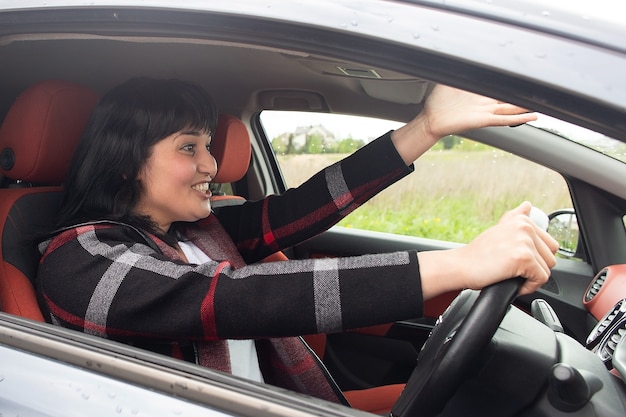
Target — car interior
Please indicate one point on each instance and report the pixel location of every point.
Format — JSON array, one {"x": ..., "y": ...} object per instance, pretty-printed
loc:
[
  {"x": 50, "y": 83},
  {"x": 57, "y": 112}
]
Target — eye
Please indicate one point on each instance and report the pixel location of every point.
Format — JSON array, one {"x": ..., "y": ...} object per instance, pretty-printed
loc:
[{"x": 190, "y": 147}]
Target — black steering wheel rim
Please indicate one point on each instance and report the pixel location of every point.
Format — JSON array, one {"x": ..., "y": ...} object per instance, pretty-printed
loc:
[{"x": 448, "y": 355}]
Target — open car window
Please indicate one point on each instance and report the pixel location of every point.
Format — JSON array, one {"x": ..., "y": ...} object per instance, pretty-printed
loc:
[
  {"x": 459, "y": 188},
  {"x": 585, "y": 137}
]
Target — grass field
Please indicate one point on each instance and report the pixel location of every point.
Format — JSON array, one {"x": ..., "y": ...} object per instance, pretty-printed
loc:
[{"x": 453, "y": 195}]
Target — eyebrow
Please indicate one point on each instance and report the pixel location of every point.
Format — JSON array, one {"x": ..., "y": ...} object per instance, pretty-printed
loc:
[{"x": 191, "y": 133}]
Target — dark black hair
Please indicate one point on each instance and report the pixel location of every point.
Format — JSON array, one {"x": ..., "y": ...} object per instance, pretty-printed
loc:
[{"x": 128, "y": 120}]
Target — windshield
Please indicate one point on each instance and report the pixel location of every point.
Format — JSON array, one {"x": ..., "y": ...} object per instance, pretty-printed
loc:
[{"x": 593, "y": 140}]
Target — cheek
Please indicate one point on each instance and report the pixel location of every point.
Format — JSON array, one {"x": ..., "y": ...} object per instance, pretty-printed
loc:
[
  {"x": 166, "y": 175},
  {"x": 180, "y": 173},
  {"x": 174, "y": 175},
  {"x": 154, "y": 182}
]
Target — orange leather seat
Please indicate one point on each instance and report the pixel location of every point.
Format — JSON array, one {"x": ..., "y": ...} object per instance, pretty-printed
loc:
[{"x": 37, "y": 139}]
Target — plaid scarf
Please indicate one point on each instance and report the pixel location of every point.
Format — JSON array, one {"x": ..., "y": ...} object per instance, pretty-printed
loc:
[{"x": 285, "y": 362}]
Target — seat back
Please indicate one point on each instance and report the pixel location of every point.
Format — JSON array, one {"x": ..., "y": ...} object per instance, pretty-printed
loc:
[
  {"x": 37, "y": 139},
  {"x": 231, "y": 149}
]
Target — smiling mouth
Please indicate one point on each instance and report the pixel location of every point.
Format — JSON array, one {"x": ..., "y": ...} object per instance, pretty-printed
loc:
[{"x": 203, "y": 187}]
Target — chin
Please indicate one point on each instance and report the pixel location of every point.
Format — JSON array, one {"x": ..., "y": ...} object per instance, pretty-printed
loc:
[{"x": 203, "y": 215}]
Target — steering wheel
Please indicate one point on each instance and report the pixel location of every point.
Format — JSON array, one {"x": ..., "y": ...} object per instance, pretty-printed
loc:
[{"x": 448, "y": 356}]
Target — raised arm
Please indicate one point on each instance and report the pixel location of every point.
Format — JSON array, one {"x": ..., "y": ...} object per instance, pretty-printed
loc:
[{"x": 448, "y": 111}]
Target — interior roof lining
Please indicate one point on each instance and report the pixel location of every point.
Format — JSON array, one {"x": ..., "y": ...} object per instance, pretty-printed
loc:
[{"x": 343, "y": 88}]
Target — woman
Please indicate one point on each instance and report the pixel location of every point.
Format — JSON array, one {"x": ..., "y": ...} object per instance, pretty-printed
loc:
[{"x": 140, "y": 258}]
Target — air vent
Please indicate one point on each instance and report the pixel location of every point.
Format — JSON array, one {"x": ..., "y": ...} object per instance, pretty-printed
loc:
[
  {"x": 616, "y": 315},
  {"x": 595, "y": 286},
  {"x": 606, "y": 348}
]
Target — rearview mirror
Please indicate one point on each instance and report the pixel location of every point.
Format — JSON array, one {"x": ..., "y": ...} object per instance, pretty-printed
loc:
[{"x": 563, "y": 226}]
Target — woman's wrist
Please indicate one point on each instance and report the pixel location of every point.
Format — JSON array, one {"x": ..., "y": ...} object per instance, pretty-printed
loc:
[
  {"x": 441, "y": 271},
  {"x": 413, "y": 139}
]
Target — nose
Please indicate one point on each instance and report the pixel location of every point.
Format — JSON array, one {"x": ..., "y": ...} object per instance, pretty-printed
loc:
[{"x": 207, "y": 164}]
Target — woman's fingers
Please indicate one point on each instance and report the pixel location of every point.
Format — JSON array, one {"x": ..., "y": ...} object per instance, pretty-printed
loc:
[
  {"x": 542, "y": 248},
  {"x": 524, "y": 249},
  {"x": 449, "y": 110},
  {"x": 507, "y": 108},
  {"x": 546, "y": 246}
]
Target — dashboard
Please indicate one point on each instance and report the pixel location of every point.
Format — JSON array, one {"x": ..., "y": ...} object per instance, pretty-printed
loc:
[{"x": 605, "y": 299}]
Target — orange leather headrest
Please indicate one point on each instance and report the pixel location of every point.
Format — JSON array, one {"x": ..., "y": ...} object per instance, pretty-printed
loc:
[
  {"x": 231, "y": 149},
  {"x": 42, "y": 129}
]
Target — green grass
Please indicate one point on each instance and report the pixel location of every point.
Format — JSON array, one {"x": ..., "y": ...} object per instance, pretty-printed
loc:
[{"x": 453, "y": 195}]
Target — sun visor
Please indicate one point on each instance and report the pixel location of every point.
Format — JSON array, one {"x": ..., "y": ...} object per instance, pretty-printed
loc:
[{"x": 401, "y": 92}]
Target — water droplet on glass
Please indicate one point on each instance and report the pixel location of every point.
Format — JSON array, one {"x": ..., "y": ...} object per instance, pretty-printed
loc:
[
  {"x": 545, "y": 13},
  {"x": 435, "y": 28},
  {"x": 416, "y": 35},
  {"x": 354, "y": 23}
]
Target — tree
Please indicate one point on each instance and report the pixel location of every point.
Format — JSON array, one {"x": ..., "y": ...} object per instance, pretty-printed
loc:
[
  {"x": 314, "y": 144},
  {"x": 349, "y": 145},
  {"x": 450, "y": 142}
]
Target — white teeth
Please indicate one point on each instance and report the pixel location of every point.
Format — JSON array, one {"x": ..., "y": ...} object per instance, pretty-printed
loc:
[{"x": 203, "y": 188}]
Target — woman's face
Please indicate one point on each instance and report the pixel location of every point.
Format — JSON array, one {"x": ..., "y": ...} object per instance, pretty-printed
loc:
[{"x": 175, "y": 179}]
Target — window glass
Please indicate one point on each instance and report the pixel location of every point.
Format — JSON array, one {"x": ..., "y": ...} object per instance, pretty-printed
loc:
[
  {"x": 459, "y": 187},
  {"x": 608, "y": 146}
]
